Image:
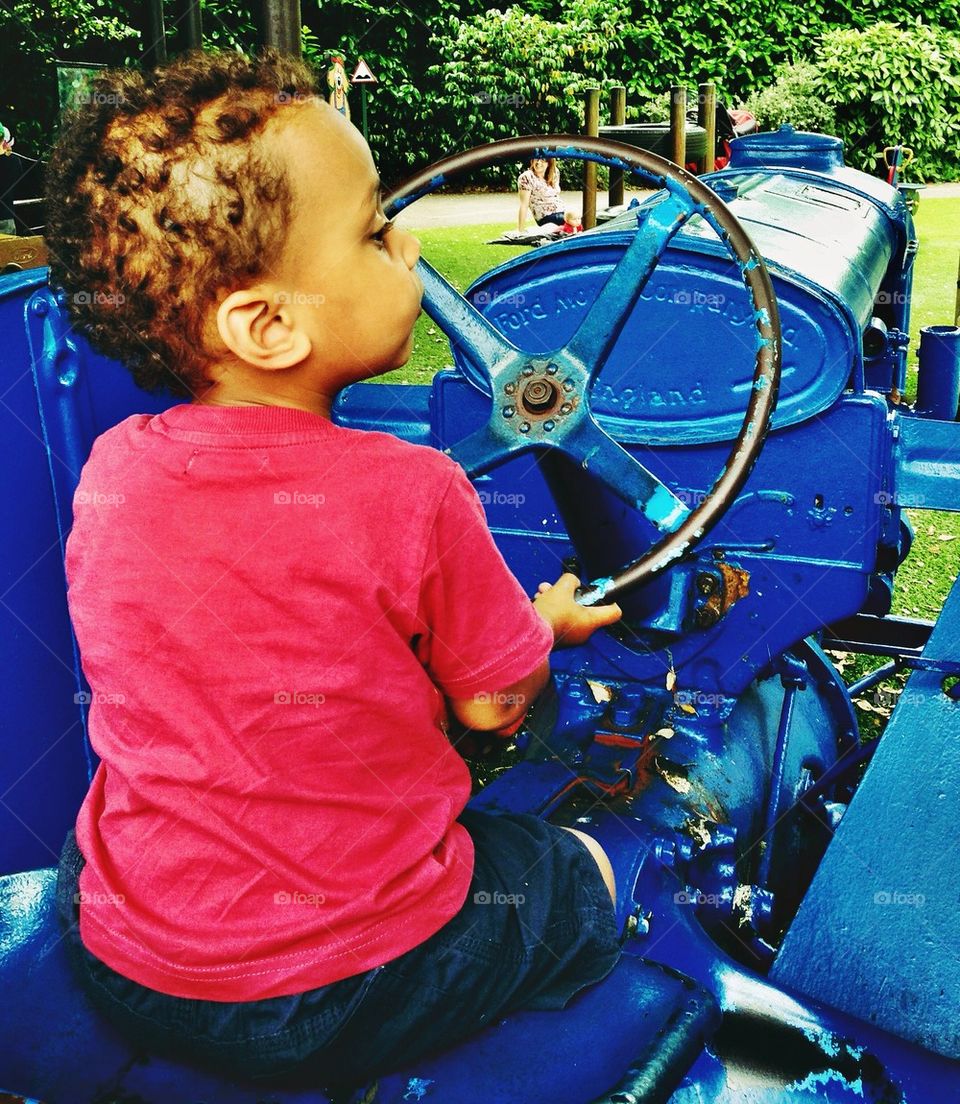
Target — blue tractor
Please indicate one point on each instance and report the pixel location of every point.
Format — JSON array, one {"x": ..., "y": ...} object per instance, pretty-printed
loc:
[{"x": 697, "y": 408}]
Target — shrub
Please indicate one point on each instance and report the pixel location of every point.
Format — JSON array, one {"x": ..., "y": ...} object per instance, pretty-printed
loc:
[
  {"x": 892, "y": 84},
  {"x": 795, "y": 97},
  {"x": 516, "y": 72}
]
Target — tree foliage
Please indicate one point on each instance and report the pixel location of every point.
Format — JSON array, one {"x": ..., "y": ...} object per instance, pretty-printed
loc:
[{"x": 453, "y": 74}]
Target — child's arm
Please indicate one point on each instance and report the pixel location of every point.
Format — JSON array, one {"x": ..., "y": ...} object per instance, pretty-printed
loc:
[{"x": 501, "y": 712}]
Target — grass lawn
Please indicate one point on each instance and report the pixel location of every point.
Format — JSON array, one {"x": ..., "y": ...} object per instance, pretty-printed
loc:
[
  {"x": 460, "y": 254},
  {"x": 933, "y": 564}
]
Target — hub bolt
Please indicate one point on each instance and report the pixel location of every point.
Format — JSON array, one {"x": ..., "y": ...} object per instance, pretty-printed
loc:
[{"x": 539, "y": 395}]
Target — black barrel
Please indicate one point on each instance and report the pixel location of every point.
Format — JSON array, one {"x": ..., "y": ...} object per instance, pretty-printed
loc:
[{"x": 655, "y": 138}]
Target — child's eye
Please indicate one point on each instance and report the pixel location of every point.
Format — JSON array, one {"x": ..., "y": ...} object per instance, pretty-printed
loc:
[{"x": 381, "y": 233}]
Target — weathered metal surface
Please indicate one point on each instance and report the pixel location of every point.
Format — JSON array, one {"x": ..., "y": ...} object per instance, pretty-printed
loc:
[{"x": 878, "y": 934}]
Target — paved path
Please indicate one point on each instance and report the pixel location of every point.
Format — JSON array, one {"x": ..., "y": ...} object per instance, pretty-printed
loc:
[
  {"x": 502, "y": 207},
  {"x": 488, "y": 207}
]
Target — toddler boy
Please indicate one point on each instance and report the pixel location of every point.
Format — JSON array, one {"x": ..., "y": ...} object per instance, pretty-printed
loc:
[{"x": 273, "y": 871}]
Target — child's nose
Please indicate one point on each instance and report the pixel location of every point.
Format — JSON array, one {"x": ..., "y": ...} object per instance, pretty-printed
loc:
[{"x": 406, "y": 244}]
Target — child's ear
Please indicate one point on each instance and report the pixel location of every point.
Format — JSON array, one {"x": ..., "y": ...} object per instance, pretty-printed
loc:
[{"x": 260, "y": 330}]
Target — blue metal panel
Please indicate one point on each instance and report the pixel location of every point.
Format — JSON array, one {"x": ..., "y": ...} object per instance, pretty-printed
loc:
[
  {"x": 889, "y": 880},
  {"x": 400, "y": 409},
  {"x": 927, "y": 457},
  {"x": 57, "y": 395}
]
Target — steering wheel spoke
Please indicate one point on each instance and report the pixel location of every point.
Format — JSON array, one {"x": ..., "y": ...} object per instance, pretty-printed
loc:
[
  {"x": 467, "y": 329},
  {"x": 486, "y": 448},
  {"x": 598, "y": 332},
  {"x": 596, "y": 451}
]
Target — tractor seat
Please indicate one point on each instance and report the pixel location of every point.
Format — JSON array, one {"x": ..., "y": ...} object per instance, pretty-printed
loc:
[{"x": 56, "y": 1047}]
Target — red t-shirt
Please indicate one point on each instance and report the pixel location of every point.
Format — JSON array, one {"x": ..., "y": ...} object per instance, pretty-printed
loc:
[{"x": 266, "y": 604}]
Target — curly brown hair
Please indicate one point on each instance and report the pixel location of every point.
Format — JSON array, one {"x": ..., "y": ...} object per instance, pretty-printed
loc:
[{"x": 157, "y": 199}]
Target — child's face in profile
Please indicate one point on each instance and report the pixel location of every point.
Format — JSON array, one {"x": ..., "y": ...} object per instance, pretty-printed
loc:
[{"x": 346, "y": 276}]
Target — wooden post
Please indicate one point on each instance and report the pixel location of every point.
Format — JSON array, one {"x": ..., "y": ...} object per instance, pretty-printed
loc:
[
  {"x": 591, "y": 127},
  {"x": 678, "y": 124},
  {"x": 155, "y": 51},
  {"x": 280, "y": 25},
  {"x": 188, "y": 24},
  {"x": 618, "y": 116},
  {"x": 707, "y": 118}
]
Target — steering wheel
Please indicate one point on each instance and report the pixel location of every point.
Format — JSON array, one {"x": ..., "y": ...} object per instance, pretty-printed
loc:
[{"x": 543, "y": 401}]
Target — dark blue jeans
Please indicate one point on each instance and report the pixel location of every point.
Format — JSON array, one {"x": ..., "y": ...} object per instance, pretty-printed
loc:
[{"x": 537, "y": 926}]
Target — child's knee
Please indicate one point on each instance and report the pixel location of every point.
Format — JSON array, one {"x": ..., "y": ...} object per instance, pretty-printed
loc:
[{"x": 600, "y": 857}]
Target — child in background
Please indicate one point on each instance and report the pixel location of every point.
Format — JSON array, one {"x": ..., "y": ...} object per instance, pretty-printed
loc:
[
  {"x": 572, "y": 223},
  {"x": 274, "y": 872}
]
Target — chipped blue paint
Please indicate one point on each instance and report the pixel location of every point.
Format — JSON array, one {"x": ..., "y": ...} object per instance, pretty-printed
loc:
[
  {"x": 830, "y": 1079},
  {"x": 603, "y": 585},
  {"x": 762, "y": 316},
  {"x": 760, "y": 383},
  {"x": 665, "y": 510},
  {"x": 417, "y": 1088}
]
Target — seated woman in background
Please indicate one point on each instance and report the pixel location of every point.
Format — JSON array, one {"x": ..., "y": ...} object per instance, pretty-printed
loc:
[{"x": 539, "y": 186}]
